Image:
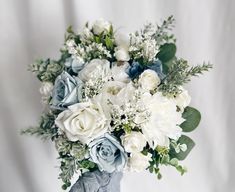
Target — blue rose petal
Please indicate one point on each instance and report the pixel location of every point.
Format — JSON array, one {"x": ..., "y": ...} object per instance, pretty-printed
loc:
[
  {"x": 157, "y": 67},
  {"x": 108, "y": 153},
  {"x": 67, "y": 91},
  {"x": 74, "y": 64},
  {"x": 135, "y": 69}
]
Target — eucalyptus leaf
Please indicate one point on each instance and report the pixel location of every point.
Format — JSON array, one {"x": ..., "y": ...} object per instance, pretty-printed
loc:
[
  {"x": 168, "y": 64},
  {"x": 183, "y": 154},
  {"x": 167, "y": 52},
  {"x": 192, "y": 119}
]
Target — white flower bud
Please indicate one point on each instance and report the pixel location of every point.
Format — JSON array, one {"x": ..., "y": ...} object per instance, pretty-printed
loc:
[
  {"x": 122, "y": 54},
  {"x": 134, "y": 142},
  {"x": 183, "y": 99},
  {"x": 139, "y": 162},
  {"x": 100, "y": 26}
]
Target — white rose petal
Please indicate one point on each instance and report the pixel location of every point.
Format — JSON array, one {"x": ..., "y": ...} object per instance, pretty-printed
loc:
[
  {"x": 95, "y": 68},
  {"x": 122, "y": 40},
  {"x": 134, "y": 142},
  {"x": 149, "y": 80},
  {"x": 122, "y": 54},
  {"x": 86, "y": 34},
  {"x": 108, "y": 94},
  {"x": 83, "y": 122},
  {"x": 100, "y": 26},
  {"x": 126, "y": 94},
  {"x": 119, "y": 72},
  {"x": 183, "y": 99},
  {"x": 139, "y": 162},
  {"x": 163, "y": 122}
]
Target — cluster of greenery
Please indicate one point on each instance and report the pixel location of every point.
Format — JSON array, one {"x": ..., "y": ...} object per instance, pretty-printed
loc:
[
  {"x": 178, "y": 71},
  {"x": 71, "y": 154}
]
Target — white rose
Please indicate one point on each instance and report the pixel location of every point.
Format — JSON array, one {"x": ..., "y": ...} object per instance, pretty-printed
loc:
[
  {"x": 118, "y": 72},
  {"x": 126, "y": 94},
  {"x": 100, "y": 26},
  {"x": 46, "y": 88},
  {"x": 164, "y": 120},
  {"x": 95, "y": 68},
  {"x": 183, "y": 99},
  {"x": 109, "y": 94},
  {"x": 122, "y": 54},
  {"x": 83, "y": 122},
  {"x": 122, "y": 40},
  {"x": 134, "y": 142},
  {"x": 149, "y": 80},
  {"x": 139, "y": 162},
  {"x": 116, "y": 92}
]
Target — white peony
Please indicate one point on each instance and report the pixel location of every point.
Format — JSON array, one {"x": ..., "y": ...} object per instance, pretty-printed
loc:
[
  {"x": 139, "y": 162},
  {"x": 149, "y": 80},
  {"x": 95, "y": 68},
  {"x": 83, "y": 122},
  {"x": 183, "y": 99},
  {"x": 164, "y": 120},
  {"x": 118, "y": 72},
  {"x": 101, "y": 26},
  {"x": 134, "y": 142},
  {"x": 46, "y": 88},
  {"x": 122, "y": 54}
]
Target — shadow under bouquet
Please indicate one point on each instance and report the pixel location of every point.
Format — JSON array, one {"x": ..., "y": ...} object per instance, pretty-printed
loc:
[{"x": 116, "y": 102}]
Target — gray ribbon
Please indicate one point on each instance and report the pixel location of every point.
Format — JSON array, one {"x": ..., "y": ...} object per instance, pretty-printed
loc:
[{"x": 98, "y": 181}]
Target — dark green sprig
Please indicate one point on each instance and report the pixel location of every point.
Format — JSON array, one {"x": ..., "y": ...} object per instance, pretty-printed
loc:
[
  {"x": 178, "y": 73},
  {"x": 162, "y": 34},
  {"x": 68, "y": 167},
  {"x": 46, "y": 128},
  {"x": 46, "y": 70},
  {"x": 199, "y": 69}
]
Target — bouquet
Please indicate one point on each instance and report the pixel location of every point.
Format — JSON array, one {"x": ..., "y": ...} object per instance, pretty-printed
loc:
[{"x": 115, "y": 102}]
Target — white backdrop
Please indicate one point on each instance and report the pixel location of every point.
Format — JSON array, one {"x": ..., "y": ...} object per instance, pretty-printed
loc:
[{"x": 31, "y": 29}]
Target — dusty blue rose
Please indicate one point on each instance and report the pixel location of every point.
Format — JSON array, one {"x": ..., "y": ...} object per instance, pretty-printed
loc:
[
  {"x": 136, "y": 69},
  {"x": 74, "y": 64},
  {"x": 157, "y": 67},
  {"x": 108, "y": 154},
  {"x": 67, "y": 91}
]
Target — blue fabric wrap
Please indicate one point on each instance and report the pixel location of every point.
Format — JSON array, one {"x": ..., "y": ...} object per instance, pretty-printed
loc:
[{"x": 98, "y": 181}]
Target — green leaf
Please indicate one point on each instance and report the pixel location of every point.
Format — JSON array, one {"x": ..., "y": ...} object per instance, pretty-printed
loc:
[
  {"x": 167, "y": 52},
  {"x": 108, "y": 43},
  {"x": 192, "y": 119},
  {"x": 190, "y": 144},
  {"x": 97, "y": 39},
  {"x": 168, "y": 64},
  {"x": 70, "y": 29}
]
